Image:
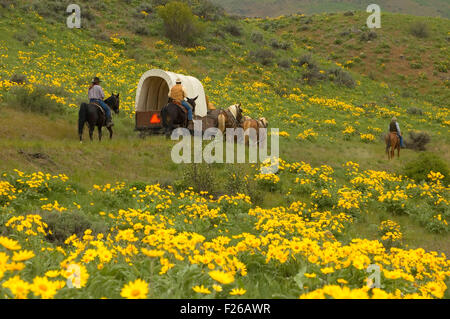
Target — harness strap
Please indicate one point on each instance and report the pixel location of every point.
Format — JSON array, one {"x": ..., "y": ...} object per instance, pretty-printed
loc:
[{"x": 100, "y": 107}]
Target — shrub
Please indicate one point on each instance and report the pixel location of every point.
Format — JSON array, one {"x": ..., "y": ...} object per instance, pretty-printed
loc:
[
  {"x": 26, "y": 36},
  {"x": 416, "y": 65},
  {"x": 144, "y": 7},
  {"x": 419, "y": 30},
  {"x": 257, "y": 37},
  {"x": 308, "y": 60},
  {"x": 233, "y": 29},
  {"x": 208, "y": 10},
  {"x": 414, "y": 110},
  {"x": 263, "y": 56},
  {"x": 140, "y": 29},
  {"x": 37, "y": 100},
  {"x": 180, "y": 24},
  {"x": 65, "y": 225},
  {"x": 341, "y": 77},
  {"x": 417, "y": 140},
  {"x": 200, "y": 177},
  {"x": 280, "y": 45},
  {"x": 286, "y": 64},
  {"x": 313, "y": 75},
  {"x": 19, "y": 78},
  {"x": 419, "y": 169},
  {"x": 368, "y": 36},
  {"x": 441, "y": 66}
]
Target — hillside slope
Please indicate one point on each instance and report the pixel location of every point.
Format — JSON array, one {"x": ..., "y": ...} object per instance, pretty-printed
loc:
[
  {"x": 128, "y": 216},
  {"x": 274, "y": 8}
]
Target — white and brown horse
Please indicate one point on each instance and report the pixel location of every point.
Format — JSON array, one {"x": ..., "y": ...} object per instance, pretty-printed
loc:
[
  {"x": 230, "y": 118},
  {"x": 249, "y": 123}
]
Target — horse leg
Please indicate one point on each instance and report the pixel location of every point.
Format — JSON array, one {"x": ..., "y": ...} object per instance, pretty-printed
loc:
[
  {"x": 99, "y": 132},
  {"x": 110, "y": 133},
  {"x": 91, "y": 131}
]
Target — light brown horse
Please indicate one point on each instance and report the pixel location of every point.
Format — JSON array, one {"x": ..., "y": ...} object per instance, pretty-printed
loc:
[
  {"x": 249, "y": 123},
  {"x": 230, "y": 118},
  {"x": 392, "y": 142}
]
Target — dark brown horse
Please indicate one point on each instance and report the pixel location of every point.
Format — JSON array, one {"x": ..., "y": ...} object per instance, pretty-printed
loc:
[
  {"x": 174, "y": 116},
  {"x": 392, "y": 142},
  {"x": 92, "y": 114}
]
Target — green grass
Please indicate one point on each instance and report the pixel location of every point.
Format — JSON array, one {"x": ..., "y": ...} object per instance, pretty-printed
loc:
[{"x": 34, "y": 142}]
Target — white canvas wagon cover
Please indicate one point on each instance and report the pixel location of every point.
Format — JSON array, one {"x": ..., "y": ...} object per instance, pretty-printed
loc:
[{"x": 153, "y": 89}]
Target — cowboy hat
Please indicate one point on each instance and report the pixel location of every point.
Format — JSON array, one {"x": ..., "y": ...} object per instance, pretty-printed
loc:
[
  {"x": 394, "y": 119},
  {"x": 178, "y": 81},
  {"x": 96, "y": 80}
]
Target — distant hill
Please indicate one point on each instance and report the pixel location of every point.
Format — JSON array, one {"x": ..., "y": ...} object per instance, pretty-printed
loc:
[{"x": 274, "y": 8}]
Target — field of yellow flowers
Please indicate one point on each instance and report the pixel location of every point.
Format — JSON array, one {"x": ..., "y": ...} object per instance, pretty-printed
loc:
[
  {"x": 149, "y": 241},
  {"x": 66, "y": 239}
]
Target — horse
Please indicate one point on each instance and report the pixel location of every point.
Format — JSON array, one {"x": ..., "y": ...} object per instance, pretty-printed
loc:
[
  {"x": 392, "y": 142},
  {"x": 172, "y": 115},
  {"x": 249, "y": 123},
  {"x": 230, "y": 118},
  {"x": 95, "y": 116}
]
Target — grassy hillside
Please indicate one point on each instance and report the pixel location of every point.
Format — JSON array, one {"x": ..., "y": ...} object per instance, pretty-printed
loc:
[
  {"x": 274, "y": 8},
  {"x": 336, "y": 206}
]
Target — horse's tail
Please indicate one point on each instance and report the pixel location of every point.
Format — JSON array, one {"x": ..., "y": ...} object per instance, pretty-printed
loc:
[
  {"x": 164, "y": 117},
  {"x": 221, "y": 122},
  {"x": 387, "y": 139},
  {"x": 82, "y": 118}
]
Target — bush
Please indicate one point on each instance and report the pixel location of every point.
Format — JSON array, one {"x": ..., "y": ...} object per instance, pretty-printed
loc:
[
  {"x": 368, "y": 36},
  {"x": 65, "y": 225},
  {"x": 441, "y": 66},
  {"x": 414, "y": 111},
  {"x": 416, "y": 65},
  {"x": 263, "y": 56},
  {"x": 38, "y": 100},
  {"x": 180, "y": 24},
  {"x": 200, "y": 177},
  {"x": 308, "y": 60},
  {"x": 19, "y": 78},
  {"x": 233, "y": 29},
  {"x": 280, "y": 45},
  {"x": 26, "y": 36},
  {"x": 208, "y": 10},
  {"x": 140, "y": 29},
  {"x": 419, "y": 30},
  {"x": 313, "y": 75},
  {"x": 417, "y": 141},
  {"x": 419, "y": 169},
  {"x": 144, "y": 7},
  {"x": 285, "y": 64},
  {"x": 257, "y": 37},
  {"x": 341, "y": 77}
]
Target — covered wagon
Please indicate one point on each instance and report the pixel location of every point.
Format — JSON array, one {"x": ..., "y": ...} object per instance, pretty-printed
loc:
[{"x": 152, "y": 95}]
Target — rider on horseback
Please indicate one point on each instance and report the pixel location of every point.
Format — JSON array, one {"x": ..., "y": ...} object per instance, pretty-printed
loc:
[
  {"x": 178, "y": 94},
  {"x": 395, "y": 127},
  {"x": 96, "y": 95}
]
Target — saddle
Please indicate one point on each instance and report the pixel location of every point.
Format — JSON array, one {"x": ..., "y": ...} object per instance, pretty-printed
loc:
[
  {"x": 180, "y": 105},
  {"x": 100, "y": 107}
]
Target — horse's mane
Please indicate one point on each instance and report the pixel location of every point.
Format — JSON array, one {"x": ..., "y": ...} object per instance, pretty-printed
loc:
[{"x": 233, "y": 110}]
